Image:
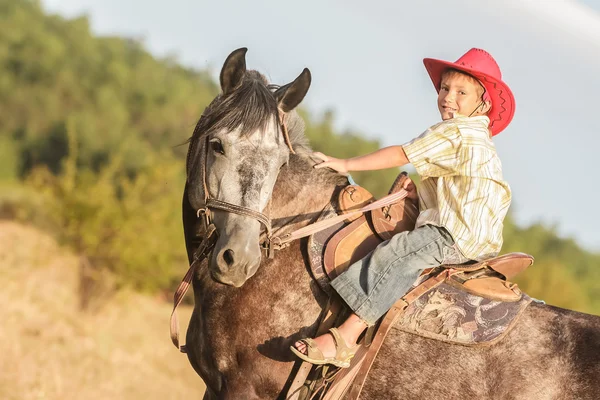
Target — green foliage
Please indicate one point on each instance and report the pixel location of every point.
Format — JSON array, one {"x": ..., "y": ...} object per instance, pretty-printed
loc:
[
  {"x": 90, "y": 126},
  {"x": 9, "y": 159},
  {"x": 129, "y": 226},
  {"x": 110, "y": 88},
  {"x": 563, "y": 274}
]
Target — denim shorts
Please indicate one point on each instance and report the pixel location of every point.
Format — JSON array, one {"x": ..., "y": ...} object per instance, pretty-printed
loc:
[{"x": 373, "y": 284}]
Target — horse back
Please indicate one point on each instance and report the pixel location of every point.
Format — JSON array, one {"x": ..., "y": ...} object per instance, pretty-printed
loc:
[{"x": 551, "y": 353}]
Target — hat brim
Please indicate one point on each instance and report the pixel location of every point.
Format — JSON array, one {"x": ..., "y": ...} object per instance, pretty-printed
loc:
[{"x": 503, "y": 101}]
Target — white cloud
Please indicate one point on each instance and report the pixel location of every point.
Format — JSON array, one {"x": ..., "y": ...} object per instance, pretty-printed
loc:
[{"x": 568, "y": 17}]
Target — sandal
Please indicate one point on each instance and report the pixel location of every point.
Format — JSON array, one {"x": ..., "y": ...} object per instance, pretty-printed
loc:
[{"x": 343, "y": 353}]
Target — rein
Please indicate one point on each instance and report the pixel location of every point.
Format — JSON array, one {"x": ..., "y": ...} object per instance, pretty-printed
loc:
[
  {"x": 273, "y": 243},
  {"x": 270, "y": 244},
  {"x": 200, "y": 254}
]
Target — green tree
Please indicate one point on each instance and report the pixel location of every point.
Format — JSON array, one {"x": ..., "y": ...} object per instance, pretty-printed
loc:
[{"x": 128, "y": 226}]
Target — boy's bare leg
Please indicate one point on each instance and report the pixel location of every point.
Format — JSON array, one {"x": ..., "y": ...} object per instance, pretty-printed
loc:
[{"x": 350, "y": 330}]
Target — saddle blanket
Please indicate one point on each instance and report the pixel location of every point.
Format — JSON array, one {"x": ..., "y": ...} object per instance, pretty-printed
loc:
[{"x": 452, "y": 315}]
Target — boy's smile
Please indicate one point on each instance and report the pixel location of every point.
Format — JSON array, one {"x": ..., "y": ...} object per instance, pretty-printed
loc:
[{"x": 460, "y": 94}]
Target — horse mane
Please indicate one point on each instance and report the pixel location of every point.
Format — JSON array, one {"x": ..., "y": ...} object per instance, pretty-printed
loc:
[{"x": 251, "y": 107}]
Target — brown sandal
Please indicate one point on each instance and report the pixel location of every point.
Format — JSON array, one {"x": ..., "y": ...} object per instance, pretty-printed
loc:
[{"x": 343, "y": 353}]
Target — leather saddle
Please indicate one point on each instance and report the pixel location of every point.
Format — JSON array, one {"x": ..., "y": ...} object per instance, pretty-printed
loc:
[
  {"x": 363, "y": 233},
  {"x": 336, "y": 249}
]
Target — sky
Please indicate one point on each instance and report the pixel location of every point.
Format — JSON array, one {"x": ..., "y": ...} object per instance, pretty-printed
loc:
[{"x": 366, "y": 63}]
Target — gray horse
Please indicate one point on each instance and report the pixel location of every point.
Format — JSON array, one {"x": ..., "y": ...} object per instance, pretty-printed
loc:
[{"x": 249, "y": 309}]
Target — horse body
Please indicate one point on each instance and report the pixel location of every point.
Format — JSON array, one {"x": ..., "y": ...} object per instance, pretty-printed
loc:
[{"x": 239, "y": 333}]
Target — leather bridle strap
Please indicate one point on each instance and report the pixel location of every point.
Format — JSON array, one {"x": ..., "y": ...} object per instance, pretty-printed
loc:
[
  {"x": 284, "y": 240},
  {"x": 277, "y": 243},
  {"x": 201, "y": 253},
  {"x": 284, "y": 131},
  {"x": 234, "y": 208},
  {"x": 272, "y": 243}
]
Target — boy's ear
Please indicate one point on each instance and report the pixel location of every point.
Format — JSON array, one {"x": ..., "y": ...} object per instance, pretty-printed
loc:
[{"x": 485, "y": 106}]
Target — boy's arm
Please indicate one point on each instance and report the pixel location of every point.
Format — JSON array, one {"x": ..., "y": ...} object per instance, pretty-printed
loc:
[{"x": 388, "y": 157}]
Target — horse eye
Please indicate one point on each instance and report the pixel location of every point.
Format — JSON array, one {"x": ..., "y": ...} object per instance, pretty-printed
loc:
[{"x": 216, "y": 146}]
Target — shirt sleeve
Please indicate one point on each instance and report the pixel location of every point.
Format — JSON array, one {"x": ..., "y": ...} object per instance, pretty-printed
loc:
[{"x": 435, "y": 152}]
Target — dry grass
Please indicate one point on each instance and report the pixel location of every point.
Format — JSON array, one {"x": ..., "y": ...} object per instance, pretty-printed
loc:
[{"x": 50, "y": 350}]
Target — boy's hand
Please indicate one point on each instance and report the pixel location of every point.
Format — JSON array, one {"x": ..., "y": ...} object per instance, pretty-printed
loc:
[
  {"x": 410, "y": 187},
  {"x": 337, "y": 164}
]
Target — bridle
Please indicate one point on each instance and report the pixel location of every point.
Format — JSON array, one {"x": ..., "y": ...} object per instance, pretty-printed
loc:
[{"x": 269, "y": 245}]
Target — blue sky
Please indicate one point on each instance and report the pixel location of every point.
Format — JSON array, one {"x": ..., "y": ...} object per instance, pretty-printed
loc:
[{"x": 365, "y": 58}]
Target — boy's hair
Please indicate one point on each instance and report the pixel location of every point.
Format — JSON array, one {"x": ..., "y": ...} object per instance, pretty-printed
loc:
[{"x": 450, "y": 72}]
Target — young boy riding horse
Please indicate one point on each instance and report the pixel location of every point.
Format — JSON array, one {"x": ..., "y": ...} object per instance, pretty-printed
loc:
[{"x": 463, "y": 199}]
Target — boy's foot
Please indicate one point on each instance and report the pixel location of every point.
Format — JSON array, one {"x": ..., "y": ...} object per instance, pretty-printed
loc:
[
  {"x": 336, "y": 347},
  {"x": 349, "y": 331},
  {"x": 324, "y": 343},
  {"x": 333, "y": 350}
]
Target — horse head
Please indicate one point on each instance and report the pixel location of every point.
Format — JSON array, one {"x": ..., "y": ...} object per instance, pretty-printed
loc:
[{"x": 237, "y": 149}]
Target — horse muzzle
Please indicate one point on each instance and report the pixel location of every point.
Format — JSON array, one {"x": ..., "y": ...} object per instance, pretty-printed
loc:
[{"x": 233, "y": 264}]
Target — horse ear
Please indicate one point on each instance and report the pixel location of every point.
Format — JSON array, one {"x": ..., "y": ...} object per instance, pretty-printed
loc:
[
  {"x": 289, "y": 96},
  {"x": 233, "y": 70}
]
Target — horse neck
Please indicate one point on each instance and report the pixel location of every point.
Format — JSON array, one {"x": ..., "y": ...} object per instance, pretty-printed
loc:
[{"x": 302, "y": 192}]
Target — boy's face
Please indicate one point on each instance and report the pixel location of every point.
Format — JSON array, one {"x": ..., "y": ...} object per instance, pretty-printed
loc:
[{"x": 460, "y": 94}]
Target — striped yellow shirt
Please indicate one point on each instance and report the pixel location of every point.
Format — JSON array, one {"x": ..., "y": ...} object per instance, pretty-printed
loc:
[{"x": 462, "y": 186}]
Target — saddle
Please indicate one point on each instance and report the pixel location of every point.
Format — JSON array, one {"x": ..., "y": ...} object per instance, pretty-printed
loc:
[
  {"x": 363, "y": 233},
  {"x": 343, "y": 245},
  {"x": 333, "y": 250}
]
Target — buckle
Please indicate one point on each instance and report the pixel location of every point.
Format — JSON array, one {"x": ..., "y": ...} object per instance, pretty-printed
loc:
[
  {"x": 271, "y": 244},
  {"x": 204, "y": 213}
]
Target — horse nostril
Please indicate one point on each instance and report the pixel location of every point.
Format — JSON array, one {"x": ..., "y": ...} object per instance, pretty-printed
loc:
[{"x": 228, "y": 257}]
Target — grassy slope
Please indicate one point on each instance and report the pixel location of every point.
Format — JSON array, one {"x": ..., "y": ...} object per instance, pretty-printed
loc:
[{"x": 50, "y": 350}]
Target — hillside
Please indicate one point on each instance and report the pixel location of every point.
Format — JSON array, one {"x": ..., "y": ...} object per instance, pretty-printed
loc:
[{"x": 50, "y": 350}]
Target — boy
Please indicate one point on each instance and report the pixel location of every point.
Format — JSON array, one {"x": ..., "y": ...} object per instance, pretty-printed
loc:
[{"x": 463, "y": 199}]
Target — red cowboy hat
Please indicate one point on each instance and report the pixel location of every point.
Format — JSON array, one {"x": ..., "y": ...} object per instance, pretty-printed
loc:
[{"x": 480, "y": 64}]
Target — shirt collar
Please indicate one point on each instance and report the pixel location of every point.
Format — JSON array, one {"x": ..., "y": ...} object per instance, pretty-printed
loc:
[{"x": 482, "y": 118}]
